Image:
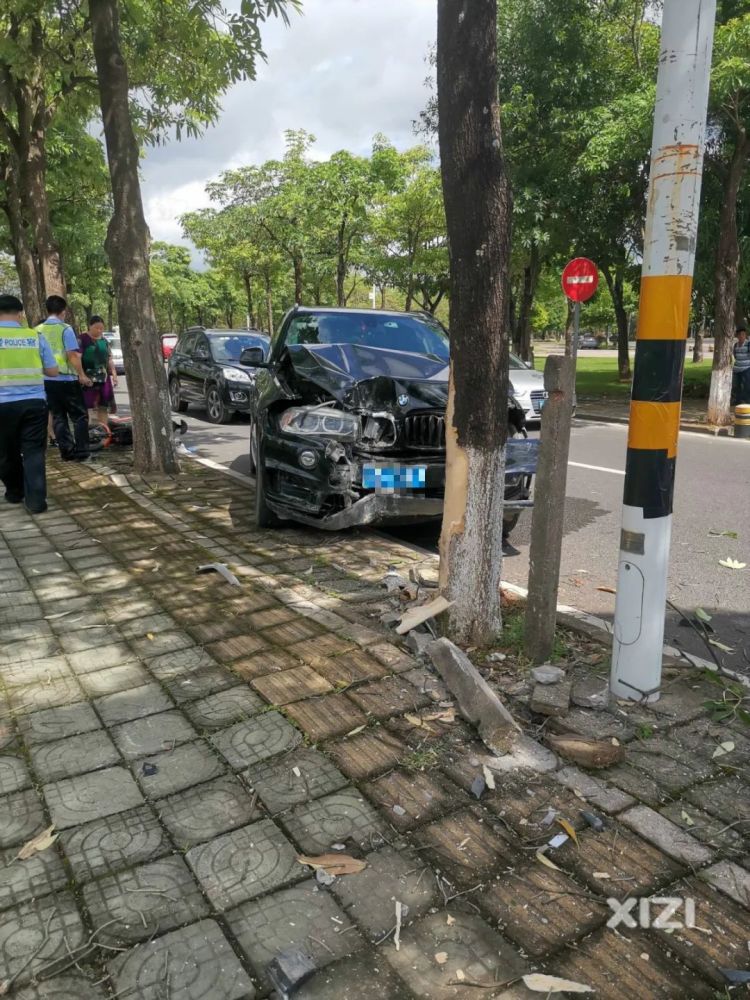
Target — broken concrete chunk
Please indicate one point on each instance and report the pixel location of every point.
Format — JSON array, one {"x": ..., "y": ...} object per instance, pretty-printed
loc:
[
  {"x": 590, "y": 692},
  {"x": 476, "y": 699},
  {"x": 551, "y": 699},
  {"x": 547, "y": 674},
  {"x": 289, "y": 970},
  {"x": 496, "y": 657},
  {"x": 525, "y": 755},
  {"x": 418, "y": 642}
]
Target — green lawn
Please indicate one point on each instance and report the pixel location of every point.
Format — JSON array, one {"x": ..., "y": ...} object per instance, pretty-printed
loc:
[{"x": 597, "y": 379}]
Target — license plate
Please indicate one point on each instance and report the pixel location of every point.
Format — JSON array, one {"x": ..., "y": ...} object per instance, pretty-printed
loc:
[{"x": 394, "y": 478}]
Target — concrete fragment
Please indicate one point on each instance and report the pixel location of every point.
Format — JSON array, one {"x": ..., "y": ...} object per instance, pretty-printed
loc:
[
  {"x": 289, "y": 970},
  {"x": 668, "y": 837},
  {"x": 590, "y": 692},
  {"x": 525, "y": 755},
  {"x": 547, "y": 674},
  {"x": 594, "y": 790},
  {"x": 551, "y": 699},
  {"x": 731, "y": 879},
  {"x": 418, "y": 642},
  {"x": 423, "y": 613},
  {"x": 476, "y": 699}
]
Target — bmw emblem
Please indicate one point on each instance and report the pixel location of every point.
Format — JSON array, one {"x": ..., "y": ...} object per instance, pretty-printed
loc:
[{"x": 403, "y": 399}]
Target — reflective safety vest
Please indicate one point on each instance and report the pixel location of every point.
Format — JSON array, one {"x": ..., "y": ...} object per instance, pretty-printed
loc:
[
  {"x": 20, "y": 362},
  {"x": 53, "y": 333}
]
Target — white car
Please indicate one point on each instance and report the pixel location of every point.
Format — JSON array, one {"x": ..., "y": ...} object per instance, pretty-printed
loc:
[
  {"x": 527, "y": 385},
  {"x": 115, "y": 348}
]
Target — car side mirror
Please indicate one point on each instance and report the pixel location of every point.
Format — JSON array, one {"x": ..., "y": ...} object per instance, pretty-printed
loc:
[{"x": 253, "y": 357}]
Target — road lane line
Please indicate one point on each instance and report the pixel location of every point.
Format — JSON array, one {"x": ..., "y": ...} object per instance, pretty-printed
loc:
[{"x": 598, "y": 468}]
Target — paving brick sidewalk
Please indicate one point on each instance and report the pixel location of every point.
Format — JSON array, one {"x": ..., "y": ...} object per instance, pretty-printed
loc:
[{"x": 189, "y": 739}]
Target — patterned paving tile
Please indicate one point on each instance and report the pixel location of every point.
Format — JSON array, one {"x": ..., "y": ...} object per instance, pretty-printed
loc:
[
  {"x": 78, "y": 800},
  {"x": 21, "y": 816},
  {"x": 206, "y": 811},
  {"x": 466, "y": 848},
  {"x": 364, "y": 976},
  {"x": 152, "y": 734},
  {"x": 244, "y": 864},
  {"x": 112, "y": 680},
  {"x": 369, "y": 753},
  {"x": 75, "y": 755},
  {"x": 134, "y": 703},
  {"x": 291, "y": 685},
  {"x": 294, "y": 778},
  {"x": 223, "y": 708},
  {"x": 38, "y": 697},
  {"x": 40, "y": 671},
  {"x": 65, "y": 987},
  {"x": 144, "y": 901},
  {"x": 236, "y": 647},
  {"x": 197, "y": 962},
  {"x": 23, "y": 930},
  {"x": 23, "y": 880},
  {"x": 109, "y": 845},
  {"x": 162, "y": 641},
  {"x": 331, "y": 715},
  {"x": 349, "y": 668},
  {"x": 301, "y": 917},
  {"x": 337, "y": 818},
  {"x": 177, "y": 769},
  {"x": 267, "y": 662},
  {"x": 14, "y": 775},
  {"x": 57, "y": 723},
  {"x": 248, "y": 743},
  {"x": 389, "y": 696}
]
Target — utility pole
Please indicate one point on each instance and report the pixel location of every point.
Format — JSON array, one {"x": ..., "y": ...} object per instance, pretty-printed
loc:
[{"x": 661, "y": 341}]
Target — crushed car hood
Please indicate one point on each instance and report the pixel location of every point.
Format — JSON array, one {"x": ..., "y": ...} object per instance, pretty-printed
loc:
[{"x": 367, "y": 377}]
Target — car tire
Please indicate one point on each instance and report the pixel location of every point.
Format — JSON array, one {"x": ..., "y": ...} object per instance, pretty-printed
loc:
[
  {"x": 175, "y": 397},
  {"x": 264, "y": 516},
  {"x": 216, "y": 411},
  {"x": 253, "y": 452}
]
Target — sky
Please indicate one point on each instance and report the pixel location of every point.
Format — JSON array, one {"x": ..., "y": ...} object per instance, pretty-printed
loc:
[{"x": 344, "y": 70}]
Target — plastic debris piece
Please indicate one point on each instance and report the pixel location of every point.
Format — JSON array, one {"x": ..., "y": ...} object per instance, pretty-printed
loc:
[
  {"x": 594, "y": 821},
  {"x": 149, "y": 770},
  {"x": 322, "y": 877},
  {"x": 478, "y": 786},
  {"x": 290, "y": 969},
  {"x": 549, "y": 819},
  {"x": 558, "y": 840},
  {"x": 539, "y": 983},
  {"x": 736, "y": 976},
  {"x": 223, "y": 570}
]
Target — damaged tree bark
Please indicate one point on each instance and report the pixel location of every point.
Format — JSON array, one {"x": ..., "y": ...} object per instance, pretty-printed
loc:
[{"x": 478, "y": 214}]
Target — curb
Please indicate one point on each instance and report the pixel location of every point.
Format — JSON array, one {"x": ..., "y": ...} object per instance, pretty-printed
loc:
[{"x": 685, "y": 425}]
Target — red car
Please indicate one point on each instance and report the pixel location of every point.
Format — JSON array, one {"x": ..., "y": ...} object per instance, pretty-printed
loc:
[{"x": 168, "y": 342}]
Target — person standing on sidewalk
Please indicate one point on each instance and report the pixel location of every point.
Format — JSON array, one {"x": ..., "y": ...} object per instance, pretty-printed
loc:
[
  {"x": 99, "y": 366},
  {"x": 25, "y": 359},
  {"x": 65, "y": 393},
  {"x": 741, "y": 369}
]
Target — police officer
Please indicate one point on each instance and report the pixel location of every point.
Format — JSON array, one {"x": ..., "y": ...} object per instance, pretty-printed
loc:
[
  {"x": 65, "y": 393},
  {"x": 25, "y": 358}
]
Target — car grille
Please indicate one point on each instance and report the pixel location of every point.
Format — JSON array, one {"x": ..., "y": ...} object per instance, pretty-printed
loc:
[
  {"x": 538, "y": 397},
  {"x": 425, "y": 430}
]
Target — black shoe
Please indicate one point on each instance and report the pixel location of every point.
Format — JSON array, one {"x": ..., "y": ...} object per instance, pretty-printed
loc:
[
  {"x": 13, "y": 499},
  {"x": 37, "y": 510}
]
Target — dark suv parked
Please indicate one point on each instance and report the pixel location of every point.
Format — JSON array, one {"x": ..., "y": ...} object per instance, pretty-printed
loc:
[{"x": 204, "y": 368}]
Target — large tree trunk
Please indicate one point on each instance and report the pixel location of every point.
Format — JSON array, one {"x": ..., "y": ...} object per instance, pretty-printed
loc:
[
  {"x": 522, "y": 331},
  {"x": 700, "y": 333},
  {"x": 569, "y": 328},
  {"x": 298, "y": 281},
  {"x": 248, "y": 283},
  {"x": 726, "y": 277},
  {"x": 127, "y": 246},
  {"x": 269, "y": 303},
  {"x": 616, "y": 286},
  {"x": 341, "y": 265},
  {"x": 36, "y": 205},
  {"x": 478, "y": 213},
  {"x": 26, "y": 267}
]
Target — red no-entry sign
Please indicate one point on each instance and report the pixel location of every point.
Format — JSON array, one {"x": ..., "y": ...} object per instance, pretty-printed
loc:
[{"x": 580, "y": 279}]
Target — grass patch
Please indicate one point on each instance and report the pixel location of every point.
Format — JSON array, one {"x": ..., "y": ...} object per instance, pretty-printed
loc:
[
  {"x": 597, "y": 378},
  {"x": 513, "y": 633},
  {"x": 421, "y": 760}
]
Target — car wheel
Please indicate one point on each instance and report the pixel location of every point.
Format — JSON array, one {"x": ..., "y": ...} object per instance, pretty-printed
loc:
[
  {"x": 253, "y": 447},
  {"x": 216, "y": 411},
  {"x": 264, "y": 516},
  {"x": 175, "y": 396}
]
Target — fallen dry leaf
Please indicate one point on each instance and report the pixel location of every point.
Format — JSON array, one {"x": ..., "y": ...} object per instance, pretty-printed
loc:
[
  {"x": 687, "y": 819},
  {"x": 441, "y": 957},
  {"x": 600, "y": 875},
  {"x": 732, "y": 564},
  {"x": 416, "y": 720},
  {"x": 607, "y": 590},
  {"x": 723, "y": 748},
  {"x": 568, "y": 829},
  {"x": 450, "y": 921},
  {"x": 586, "y": 752},
  {"x": 538, "y": 983},
  {"x": 543, "y": 859},
  {"x": 37, "y": 844},
  {"x": 334, "y": 864}
]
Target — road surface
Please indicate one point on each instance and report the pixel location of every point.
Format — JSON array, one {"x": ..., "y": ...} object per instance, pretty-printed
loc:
[{"x": 712, "y": 495}]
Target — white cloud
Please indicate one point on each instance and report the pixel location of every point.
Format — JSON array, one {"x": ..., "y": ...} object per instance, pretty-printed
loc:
[{"x": 344, "y": 70}]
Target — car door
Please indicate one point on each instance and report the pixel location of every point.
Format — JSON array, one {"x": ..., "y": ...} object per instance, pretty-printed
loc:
[
  {"x": 203, "y": 365},
  {"x": 183, "y": 366}
]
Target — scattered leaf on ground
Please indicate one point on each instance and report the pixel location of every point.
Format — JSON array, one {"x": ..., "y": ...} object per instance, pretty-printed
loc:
[
  {"x": 732, "y": 564},
  {"x": 720, "y": 645},
  {"x": 723, "y": 534},
  {"x": 37, "y": 844},
  {"x": 420, "y": 723},
  {"x": 543, "y": 859},
  {"x": 601, "y": 875},
  {"x": 538, "y": 983},
  {"x": 723, "y": 748},
  {"x": 568, "y": 829},
  {"x": 607, "y": 590},
  {"x": 687, "y": 819},
  {"x": 702, "y": 615},
  {"x": 334, "y": 864},
  {"x": 489, "y": 777},
  {"x": 354, "y": 732},
  {"x": 441, "y": 957}
]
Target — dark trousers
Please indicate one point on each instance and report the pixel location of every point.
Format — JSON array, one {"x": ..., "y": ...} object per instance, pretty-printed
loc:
[
  {"x": 23, "y": 443},
  {"x": 741, "y": 387},
  {"x": 67, "y": 407}
]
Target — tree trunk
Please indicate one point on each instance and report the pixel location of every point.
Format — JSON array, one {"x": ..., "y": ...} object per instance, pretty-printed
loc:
[
  {"x": 569, "y": 328},
  {"x": 341, "y": 265},
  {"x": 248, "y": 283},
  {"x": 616, "y": 286},
  {"x": 726, "y": 278},
  {"x": 269, "y": 304},
  {"x": 127, "y": 247},
  {"x": 26, "y": 268},
  {"x": 522, "y": 332},
  {"x": 383, "y": 290},
  {"x": 111, "y": 313},
  {"x": 700, "y": 333},
  {"x": 36, "y": 205},
  {"x": 478, "y": 213},
  {"x": 298, "y": 281}
]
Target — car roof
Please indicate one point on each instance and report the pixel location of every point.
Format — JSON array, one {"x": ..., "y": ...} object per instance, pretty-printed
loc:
[
  {"x": 316, "y": 310},
  {"x": 227, "y": 333}
]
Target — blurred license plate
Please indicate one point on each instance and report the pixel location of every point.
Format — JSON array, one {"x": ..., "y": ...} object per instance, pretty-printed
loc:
[{"x": 394, "y": 478}]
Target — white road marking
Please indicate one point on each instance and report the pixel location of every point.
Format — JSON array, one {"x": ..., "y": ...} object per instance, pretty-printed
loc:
[{"x": 597, "y": 468}]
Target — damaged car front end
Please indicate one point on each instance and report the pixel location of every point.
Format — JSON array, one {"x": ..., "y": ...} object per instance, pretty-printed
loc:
[{"x": 348, "y": 425}]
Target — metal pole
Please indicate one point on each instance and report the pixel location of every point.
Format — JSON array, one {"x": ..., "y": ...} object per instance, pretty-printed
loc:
[
  {"x": 576, "y": 331},
  {"x": 661, "y": 341}
]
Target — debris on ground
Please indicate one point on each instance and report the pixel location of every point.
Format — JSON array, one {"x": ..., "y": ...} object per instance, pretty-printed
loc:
[
  {"x": 591, "y": 819},
  {"x": 551, "y": 699},
  {"x": 333, "y": 864},
  {"x": 538, "y": 983},
  {"x": 37, "y": 844},
  {"x": 422, "y": 613},
  {"x": 587, "y": 752},
  {"x": 590, "y": 692},
  {"x": 289, "y": 970},
  {"x": 548, "y": 674},
  {"x": 223, "y": 570},
  {"x": 417, "y": 641}
]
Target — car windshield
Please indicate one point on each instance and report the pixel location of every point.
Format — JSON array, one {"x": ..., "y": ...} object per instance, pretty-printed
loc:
[
  {"x": 412, "y": 334},
  {"x": 229, "y": 346},
  {"x": 516, "y": 364},
  {"x": 114, "y": 342}
]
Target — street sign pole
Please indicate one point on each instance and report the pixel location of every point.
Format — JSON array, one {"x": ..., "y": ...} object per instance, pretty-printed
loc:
[
  {"x": 576, "y": 331},
  {"x": 666, "y": 286}
]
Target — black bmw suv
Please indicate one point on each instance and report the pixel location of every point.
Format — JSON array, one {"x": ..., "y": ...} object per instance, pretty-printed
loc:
[{"x": 205, "y": 369}]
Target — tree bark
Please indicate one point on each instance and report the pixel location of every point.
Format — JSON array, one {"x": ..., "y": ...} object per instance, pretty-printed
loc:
[
  {"x": 34, "y": 184},
  {"x": 341, "y": 264},
  {"x": 26, "y": 267},
  {"x": 569, "y": 328},
  {"x": 726, "y": 278},
  {"x": 700, "y": 333},
  {"x": 298, "y": 280},
  {"x": 616, "y": 286},
  {"x": 478, "y": 213},
  {"x": 127, "y": 247},
  {"x": 269, "y": 303},
  {"x": 522, "y": 331},
  {"x": 248, "y": 283}
]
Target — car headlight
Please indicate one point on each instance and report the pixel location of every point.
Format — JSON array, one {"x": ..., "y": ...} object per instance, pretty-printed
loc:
[
  {"x": 318, "y": 421},
  {"x": 236, "y": 375}
]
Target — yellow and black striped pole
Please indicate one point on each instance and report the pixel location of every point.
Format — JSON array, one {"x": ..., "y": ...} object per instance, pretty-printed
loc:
[{"x": 666, "y": 286}]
